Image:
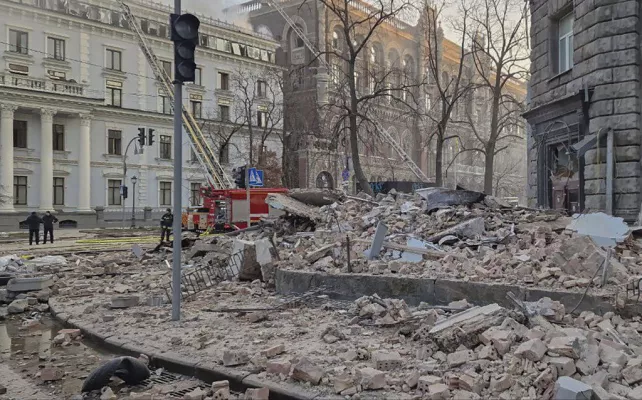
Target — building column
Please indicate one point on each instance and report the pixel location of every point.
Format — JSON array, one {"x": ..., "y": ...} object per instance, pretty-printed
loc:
[
  {"x": 46, "y": 159},
  {"x": 6, "y": 156},
  {"x": 84, "y": 164}
]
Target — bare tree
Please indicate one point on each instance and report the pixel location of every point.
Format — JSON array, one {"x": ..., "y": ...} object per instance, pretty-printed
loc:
[
  {"x": 500, "y": 39},
  {"x": 448, "y": 82},
  {"x": 256, "y": 110},
  {"x": 361, "y": 85}
]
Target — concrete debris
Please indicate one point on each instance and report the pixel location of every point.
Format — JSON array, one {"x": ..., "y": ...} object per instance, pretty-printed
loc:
[
  {"x": 307, "y": 371},
  {"x": 567, "y": 388},
  {"x": 257, "y": 394},
  {"x": 604, "y": 229},
  {"x": 382, "y": 311},
  {"x": 124, "y": 301},
  {"x": 465, "y": 328},
  {"x": 20, "y": 285},
  {"x": 292, "y": 206},
  {"x": 371, "y": 379},
  {"x": 399, "y": 348},
  {"x": 232, "y": 358},
  {"x": 442, "y": 197}
]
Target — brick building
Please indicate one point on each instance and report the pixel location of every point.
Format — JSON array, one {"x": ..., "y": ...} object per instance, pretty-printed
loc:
[{"x": 585, "y": 80}]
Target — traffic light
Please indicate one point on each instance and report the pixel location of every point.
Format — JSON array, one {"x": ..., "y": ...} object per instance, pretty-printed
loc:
[
  {"x": 239, "y": 177},
  {"x": 150, "y": 136},
  {"x": 185, "y": 37},
  {"x": 123, "y": 191},
  {"x": 141, "y": 136}
]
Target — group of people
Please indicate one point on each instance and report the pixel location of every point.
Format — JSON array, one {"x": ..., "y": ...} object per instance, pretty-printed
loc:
[{"x": 34, "y": 221}]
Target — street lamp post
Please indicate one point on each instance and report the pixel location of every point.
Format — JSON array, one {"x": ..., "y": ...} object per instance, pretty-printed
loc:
[{"x": 134, "y": 180}]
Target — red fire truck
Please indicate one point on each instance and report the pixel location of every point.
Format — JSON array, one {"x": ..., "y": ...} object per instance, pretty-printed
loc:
[{"x": 226, "y": 209}]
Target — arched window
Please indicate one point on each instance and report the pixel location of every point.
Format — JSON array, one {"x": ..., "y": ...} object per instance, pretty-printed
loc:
[{"x": 296, "y": 41}]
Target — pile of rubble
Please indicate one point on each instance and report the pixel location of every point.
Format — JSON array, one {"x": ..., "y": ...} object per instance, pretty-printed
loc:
[{"x": 445, "y": 234}]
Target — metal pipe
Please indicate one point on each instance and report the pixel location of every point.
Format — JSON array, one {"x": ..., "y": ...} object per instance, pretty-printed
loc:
[{"x": 178, "y": 179}]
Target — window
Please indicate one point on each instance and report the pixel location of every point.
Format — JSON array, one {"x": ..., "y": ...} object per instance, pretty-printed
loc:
[
  {"x": 114, "y": 142},
  {"x": 20, "y": 134},
  {"x": 113, "y": 60},
  {"x": 565, "y": 33},
  {"x": 114, "y": 94},
  {"x": 59, "y": 137},
  {"x": 261, "y": 88},
  {"x": 197, "y": 76},
  {"x": 335, "y": 41},
  {"x": 197, "y": 108},
  {"x": 224, "y": 113},
  {"x": 20, "y": 190},
  {"x": 56, "y": 48},
  {"x": 166, "y": 106},
  {"x": 195, "y": 194},
  {"x": 261, "y": 119},
  {"x": 165, "y": 193},
  {"x": 224, "y": 153},
  {"x": 223, "y": 81},
  {"x": 167, "y": 66},
  {"x": 166, "y": 147},
  {"x": 59, "y": 191},
  {"x": 113, "y": 192},
  {"x": 18, "y": 41}
]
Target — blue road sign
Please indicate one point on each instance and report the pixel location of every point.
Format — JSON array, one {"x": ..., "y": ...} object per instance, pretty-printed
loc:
[{"x": 256, "y": 177}]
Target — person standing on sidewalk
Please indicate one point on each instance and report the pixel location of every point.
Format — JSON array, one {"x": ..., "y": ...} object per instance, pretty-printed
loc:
[
  {"x": 33, "y": 222},
  {"x": 167, "y": 220},
  {"x": 48, "y": 220}
]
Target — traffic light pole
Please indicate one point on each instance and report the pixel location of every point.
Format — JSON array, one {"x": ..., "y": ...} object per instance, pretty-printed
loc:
[
  {"x": 178, "y": 180},
  {"x": 124, "y": 181}
]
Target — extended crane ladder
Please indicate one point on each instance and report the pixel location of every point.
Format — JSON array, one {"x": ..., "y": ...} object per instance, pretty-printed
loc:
[
  {"x": 382, "y": 131},
  {"x": 204, "y": 153}
]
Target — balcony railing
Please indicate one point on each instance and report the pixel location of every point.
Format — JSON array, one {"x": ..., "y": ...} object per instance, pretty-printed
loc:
[{"x": 41, "y": 84}]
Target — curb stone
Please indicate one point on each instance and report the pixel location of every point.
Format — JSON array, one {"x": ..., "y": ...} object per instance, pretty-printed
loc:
[
  {"x": 173, "y": 362},
  {"x": 413, "y": 290}
]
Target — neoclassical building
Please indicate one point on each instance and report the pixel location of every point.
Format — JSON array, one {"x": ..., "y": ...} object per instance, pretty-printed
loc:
[{"x": 74, "y": 90}]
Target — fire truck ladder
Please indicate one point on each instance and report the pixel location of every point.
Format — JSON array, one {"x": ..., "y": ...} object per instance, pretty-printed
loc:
[
  {"x": 204, "y": 153},
  {"x": 382, "y": 131}
]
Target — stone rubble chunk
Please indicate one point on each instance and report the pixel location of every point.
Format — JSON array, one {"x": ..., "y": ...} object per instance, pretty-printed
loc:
[
  {"x": 232, "y": 358},
  {"x": 465, "y": 395},
  {"x": 632, "y": 374},
  {"x": 306, "y": 371},
  {"x": 567, "y": 346},
  {"x": 501, "y": 383},
  {"x": 18, "y": 306},
  {"x": 425, "y": 382},
  {"x": 460, "y": 358},
  {"x": 124, "y": 301},
  {"x": 278, "y": 367},
  {"x": 612, "y": 355},
  {"x": 438, "y": 391},
  {"x": 471, "y": 382},
  {"x": 532, "y": 350},
  {"x": 371, "y": 379},
  {"x": 51, "y": 374},
  {"x": 386, "y": 360},
  {"x": 273, "y": 351},
  {"x": 571, "y": 389},
  {"x": 257, "y": 394},
  {"x": 565, "y": 366},
  {"x": 196, "y": 394},
  {"x": 342, "y": 382},
  {"x": 32, "y": 284}
]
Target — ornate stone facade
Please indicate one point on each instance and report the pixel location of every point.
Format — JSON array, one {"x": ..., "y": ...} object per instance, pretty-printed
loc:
[{"x": 597, "y": 90}]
